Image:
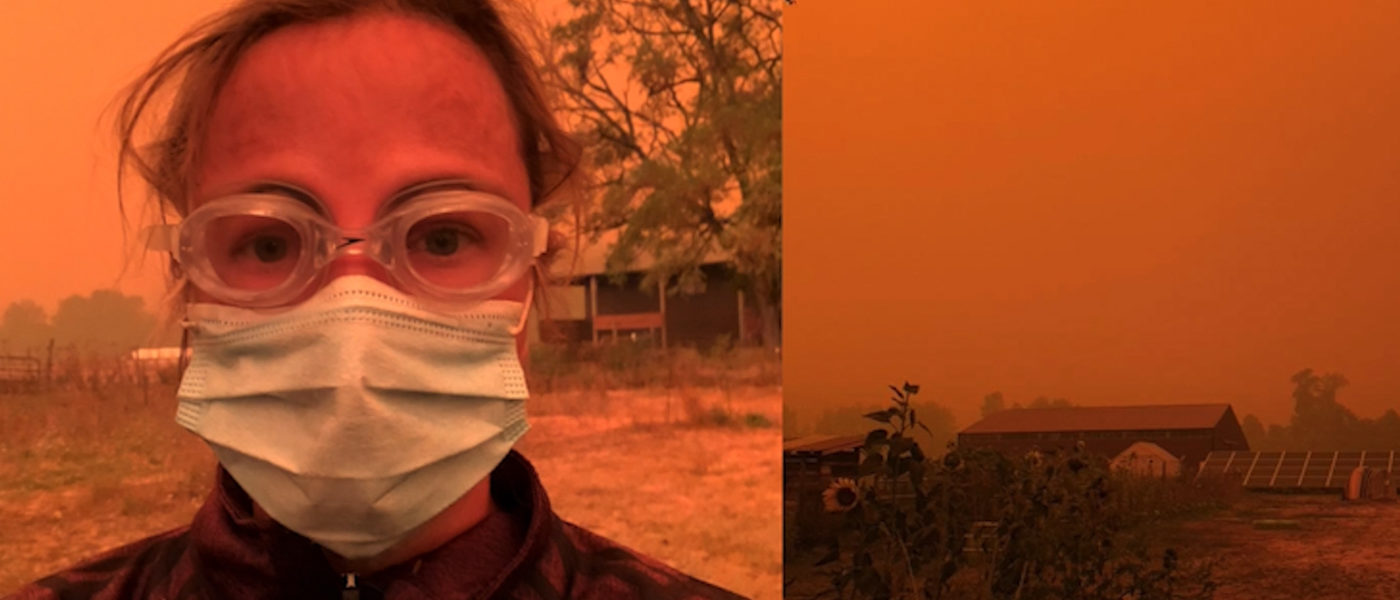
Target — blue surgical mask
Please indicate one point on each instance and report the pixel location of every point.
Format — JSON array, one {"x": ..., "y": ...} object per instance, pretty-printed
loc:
[{"x": 359, "y": 414}]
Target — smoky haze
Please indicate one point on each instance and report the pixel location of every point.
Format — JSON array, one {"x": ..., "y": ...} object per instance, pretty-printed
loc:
[{"x": 1101, "y": 202}]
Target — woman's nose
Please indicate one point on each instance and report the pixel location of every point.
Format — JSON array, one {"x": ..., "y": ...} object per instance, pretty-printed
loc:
[{"x": 359, "y": 264}]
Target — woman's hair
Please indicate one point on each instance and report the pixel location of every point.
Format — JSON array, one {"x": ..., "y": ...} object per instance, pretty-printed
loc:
[{"x": 193, "y": 70}]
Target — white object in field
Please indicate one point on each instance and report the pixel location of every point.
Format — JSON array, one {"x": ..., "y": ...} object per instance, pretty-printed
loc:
[
  {"x": 1367, "y": 483},
  {"x": 170, "y": 354},
  {"x": 1148, "y": 460}
]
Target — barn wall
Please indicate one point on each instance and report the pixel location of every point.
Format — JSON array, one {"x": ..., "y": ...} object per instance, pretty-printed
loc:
[
  {"x": 1228, "y": 434},
  {"x": 697, "y": 320},
  {"x": 627, "y": 298},
  {"x": 1194, "y": 445}
]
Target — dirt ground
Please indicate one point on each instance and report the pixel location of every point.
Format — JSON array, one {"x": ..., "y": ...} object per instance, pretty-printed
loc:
[
  {"x": 688, "y": 476},
  {"x": 1340, "y": 550}
]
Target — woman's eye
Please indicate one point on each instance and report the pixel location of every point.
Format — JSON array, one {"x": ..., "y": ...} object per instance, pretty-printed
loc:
[
  {"x": 270, "y": 249},
  {"x": 264, "y": 248},
  {"x": 443, "y": 240}
]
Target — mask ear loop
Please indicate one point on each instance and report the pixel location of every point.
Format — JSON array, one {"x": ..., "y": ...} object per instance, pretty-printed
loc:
[
  {"x": 181, "y": 288},
  {"x": 166, "y": 238},
  {"x": 524, "y": 314},
  {"x": 539, "y": 246}
]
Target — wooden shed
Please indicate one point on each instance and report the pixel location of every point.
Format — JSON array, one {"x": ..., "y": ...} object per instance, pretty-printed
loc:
[
  {"x": 810, "y": 463},
  {"x": 594, "y": 305}
]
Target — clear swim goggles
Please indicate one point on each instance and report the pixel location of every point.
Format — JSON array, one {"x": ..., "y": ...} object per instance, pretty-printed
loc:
[{"x": 455, "y": 248}]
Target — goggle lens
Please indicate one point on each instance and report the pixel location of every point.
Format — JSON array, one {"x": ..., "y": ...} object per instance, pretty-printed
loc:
[
  {"x": 253, "y": 253},
  {"x": 459, "y": 250}
]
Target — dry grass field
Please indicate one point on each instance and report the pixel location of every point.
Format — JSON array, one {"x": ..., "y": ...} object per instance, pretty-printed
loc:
[
  {"x": 690, "y": 476},
  {"x": 1339, "y": 550}
]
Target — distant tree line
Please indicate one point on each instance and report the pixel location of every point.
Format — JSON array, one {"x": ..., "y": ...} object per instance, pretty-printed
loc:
[
  {"x": 105, "y": 322},
  {"x": 994, "y": 403},
  {"x": 1320, "y": 422}
]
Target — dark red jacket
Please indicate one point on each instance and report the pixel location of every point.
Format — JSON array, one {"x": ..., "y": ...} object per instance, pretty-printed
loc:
[{"x": 522, "y": 551}]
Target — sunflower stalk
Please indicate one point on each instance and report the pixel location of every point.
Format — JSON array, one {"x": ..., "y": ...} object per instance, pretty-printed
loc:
[{"x": 914, "y": 584}]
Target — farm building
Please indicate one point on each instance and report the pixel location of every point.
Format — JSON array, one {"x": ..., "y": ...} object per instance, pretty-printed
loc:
[
  {"x": 809, "y": 465},
  {"x": 823, "y": 456},
  {"x": 1301, "y": 471},
  {"x": 592, "y": 306},
  {"x": 1188, "y": 432},
  {"x": 1147, "y": 459}
]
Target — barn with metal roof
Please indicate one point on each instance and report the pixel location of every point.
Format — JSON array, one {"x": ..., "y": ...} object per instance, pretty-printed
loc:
[{"x": 1188, "y": 431}]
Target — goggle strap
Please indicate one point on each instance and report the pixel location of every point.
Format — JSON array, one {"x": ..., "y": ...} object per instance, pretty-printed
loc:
[
  {"x": 161, "y": 238},
  {"x": 541, "y": 235}
]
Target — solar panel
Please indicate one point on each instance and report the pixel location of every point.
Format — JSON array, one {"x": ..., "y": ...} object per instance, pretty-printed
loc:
[
  {"x": 1265, "y": 465},
  {"x": 1300, "y": 470}
]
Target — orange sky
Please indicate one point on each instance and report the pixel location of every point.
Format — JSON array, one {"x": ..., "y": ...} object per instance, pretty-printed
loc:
[
  {"x": 60, "y": 68},
  {"x": 1095, "y": 200}
]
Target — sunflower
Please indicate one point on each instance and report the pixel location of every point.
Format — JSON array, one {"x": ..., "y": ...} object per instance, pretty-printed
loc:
[{"x": 841, "y": 496}]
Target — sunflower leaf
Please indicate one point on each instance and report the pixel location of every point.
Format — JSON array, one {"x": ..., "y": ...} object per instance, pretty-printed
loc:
[
  {"x": 882, "y": 416},
  {"x": 877, "y": 438}
]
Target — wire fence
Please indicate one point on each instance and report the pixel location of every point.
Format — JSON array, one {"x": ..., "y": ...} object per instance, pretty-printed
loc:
[{"x": 74, "y": 369}]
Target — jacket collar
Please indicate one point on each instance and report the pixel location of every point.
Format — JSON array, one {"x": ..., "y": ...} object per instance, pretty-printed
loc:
[{"x": 242, "y": 555}]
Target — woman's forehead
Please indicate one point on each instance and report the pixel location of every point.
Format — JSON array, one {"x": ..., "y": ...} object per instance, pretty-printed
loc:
[{"x": 355, "y": 100}]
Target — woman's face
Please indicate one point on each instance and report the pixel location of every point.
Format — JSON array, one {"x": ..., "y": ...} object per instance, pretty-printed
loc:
[{"x": 355, "y": 111}]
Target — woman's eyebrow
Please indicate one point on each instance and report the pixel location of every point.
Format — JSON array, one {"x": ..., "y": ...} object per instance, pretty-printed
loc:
[
  {"x": 425, "y": 187},
  {"x": 291, "y": 191},
  {"x": 403, "y": 195}
]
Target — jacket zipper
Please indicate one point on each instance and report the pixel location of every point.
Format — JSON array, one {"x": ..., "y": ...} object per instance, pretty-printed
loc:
[{"x": 350, "y": 591}]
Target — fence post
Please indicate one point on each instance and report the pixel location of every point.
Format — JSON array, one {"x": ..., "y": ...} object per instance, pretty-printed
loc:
[{"x": 48, "y": 368}]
